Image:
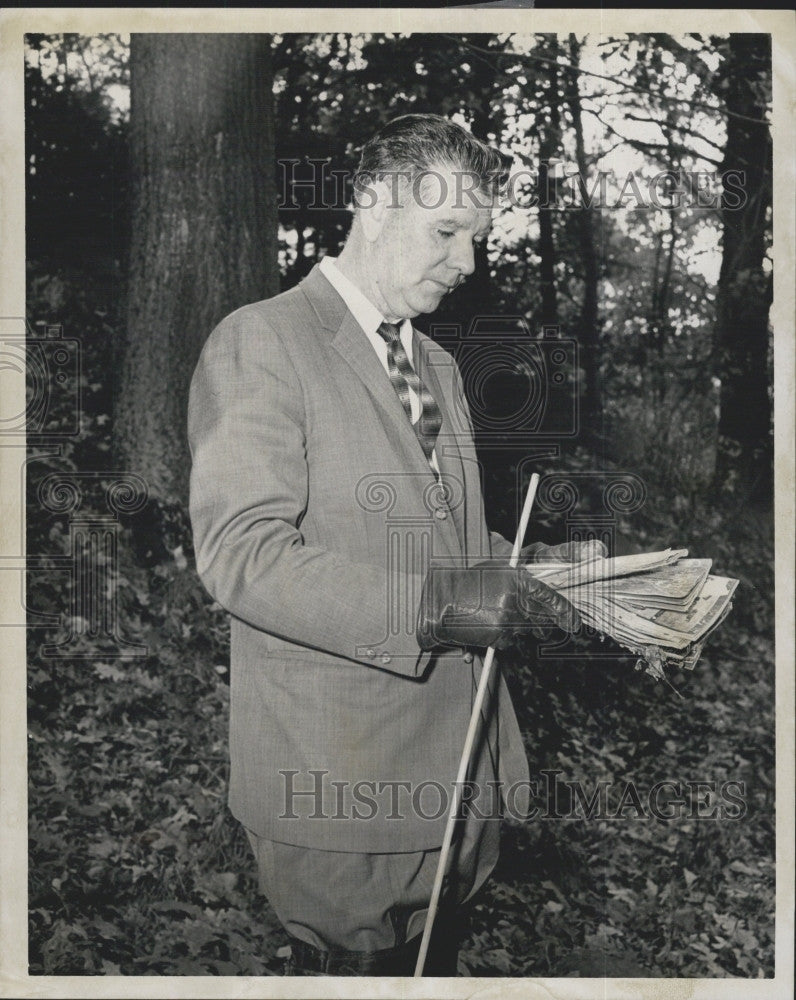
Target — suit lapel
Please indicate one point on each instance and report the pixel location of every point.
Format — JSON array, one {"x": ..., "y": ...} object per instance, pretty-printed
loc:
[
  {"x": 351, "y": 343},
  {"x": 354, "y": 347}
]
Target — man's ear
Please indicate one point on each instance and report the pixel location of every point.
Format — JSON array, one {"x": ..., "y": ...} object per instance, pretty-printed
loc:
[{"x": 374, "y": 203}]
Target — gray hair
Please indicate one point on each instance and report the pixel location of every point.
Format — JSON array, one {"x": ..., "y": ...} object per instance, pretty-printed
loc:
[{"x": 414, "y": 144}]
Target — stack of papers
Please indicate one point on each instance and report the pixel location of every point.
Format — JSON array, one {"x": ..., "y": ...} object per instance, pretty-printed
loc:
[{"x": 660, "y": 605}]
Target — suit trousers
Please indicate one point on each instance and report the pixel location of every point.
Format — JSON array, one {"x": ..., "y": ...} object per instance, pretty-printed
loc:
[{"x": 369, "y": 902}]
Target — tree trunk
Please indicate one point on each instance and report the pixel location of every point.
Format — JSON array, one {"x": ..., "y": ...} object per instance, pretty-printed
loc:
[
  {"x": 204, "y": 229},
  {"x": 479, "y": 295},
  {"x": 588, "y": 332},
  {"x": 745, "y": 452},
  {"x": 549, "y": 147}
]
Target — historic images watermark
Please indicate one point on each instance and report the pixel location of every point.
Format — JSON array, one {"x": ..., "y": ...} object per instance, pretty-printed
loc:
[
  {"x": 315, "y": 794},
  {"x": 310, "y": 183}
]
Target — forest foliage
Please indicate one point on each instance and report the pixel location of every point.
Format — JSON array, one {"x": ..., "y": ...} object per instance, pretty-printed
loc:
[{"x": 136, "y": 866}]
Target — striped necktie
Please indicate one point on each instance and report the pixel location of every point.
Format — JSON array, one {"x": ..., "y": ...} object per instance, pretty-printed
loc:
[{"x": 403, "y": 377}]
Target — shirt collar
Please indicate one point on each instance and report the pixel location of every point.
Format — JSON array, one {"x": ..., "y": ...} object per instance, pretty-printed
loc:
[{"x": 359, "y": 305}]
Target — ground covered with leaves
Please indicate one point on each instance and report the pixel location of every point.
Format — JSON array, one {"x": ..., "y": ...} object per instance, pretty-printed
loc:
[{"x": 137, "y": 867}]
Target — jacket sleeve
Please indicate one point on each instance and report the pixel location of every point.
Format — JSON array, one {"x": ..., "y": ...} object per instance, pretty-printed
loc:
[
  {"x": 501, "y": 548},
  {"x": 248, "y": 492}
]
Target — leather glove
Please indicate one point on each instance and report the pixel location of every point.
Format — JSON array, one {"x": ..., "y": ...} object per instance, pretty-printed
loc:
[
  {"x": 489, "y": 604},
  {"x": 568, "y": 552}
]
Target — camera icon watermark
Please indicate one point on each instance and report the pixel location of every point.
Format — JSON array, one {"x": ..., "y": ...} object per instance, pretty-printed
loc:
[
  {"x": 50, "y": 364},
  {"x": 515, "y": 388},
  {"x": 45, "y": 417}
]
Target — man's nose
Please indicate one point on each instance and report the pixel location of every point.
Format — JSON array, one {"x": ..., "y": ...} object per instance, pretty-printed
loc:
[{"x": 463, "y": 257}]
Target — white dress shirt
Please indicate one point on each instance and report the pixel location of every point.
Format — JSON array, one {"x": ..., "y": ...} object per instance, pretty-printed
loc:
[{"x": 369, "y": 318}]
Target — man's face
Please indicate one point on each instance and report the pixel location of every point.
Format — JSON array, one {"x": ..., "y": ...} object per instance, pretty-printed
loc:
[{"x": 424, "y": 246}]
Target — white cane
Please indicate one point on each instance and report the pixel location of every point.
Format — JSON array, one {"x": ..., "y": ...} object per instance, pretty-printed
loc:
[{"x": 464, "y": 763}]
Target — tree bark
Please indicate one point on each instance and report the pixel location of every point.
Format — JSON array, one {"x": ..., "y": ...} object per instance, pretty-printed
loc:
[
  {"x": 204, "y": 229},
  {"x": 549, "y": 147},
  {"x": 745, "y": 448},
  {"x": 588, "y": 331}
]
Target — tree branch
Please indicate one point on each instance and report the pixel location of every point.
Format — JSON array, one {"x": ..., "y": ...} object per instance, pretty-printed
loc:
[
  {"x": 569, "y": 68},
  {"x": 676, "y": 128},
  {"x": 650, "y": 147}
]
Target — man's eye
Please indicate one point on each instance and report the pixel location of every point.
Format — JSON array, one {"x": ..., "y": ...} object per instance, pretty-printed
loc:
[{"x": 447, "y": 233}]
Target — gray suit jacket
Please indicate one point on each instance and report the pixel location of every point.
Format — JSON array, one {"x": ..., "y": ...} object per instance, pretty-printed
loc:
[{"x": 315, "y": 515}]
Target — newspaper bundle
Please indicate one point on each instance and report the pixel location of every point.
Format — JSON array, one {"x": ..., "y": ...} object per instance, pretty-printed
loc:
[{"x": 660, "y": 605}]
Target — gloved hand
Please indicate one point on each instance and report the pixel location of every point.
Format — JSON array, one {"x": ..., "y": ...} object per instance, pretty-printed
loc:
[
  {"x": 567, "y": 552},
  {"x": 489, "y": 604}
]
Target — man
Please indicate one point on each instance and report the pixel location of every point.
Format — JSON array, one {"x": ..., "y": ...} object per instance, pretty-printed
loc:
[{"x": 337, "y": 514}]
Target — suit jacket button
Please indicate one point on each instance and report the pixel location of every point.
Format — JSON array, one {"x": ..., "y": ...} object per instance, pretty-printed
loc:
[
  {"x": 385, "y": 657},
  {"x": 440, "y": 514},
  {"x": 468, "y": 657}
]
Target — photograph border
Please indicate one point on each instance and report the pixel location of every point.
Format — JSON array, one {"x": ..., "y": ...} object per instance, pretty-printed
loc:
[{"x": 14, "y": 24}]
